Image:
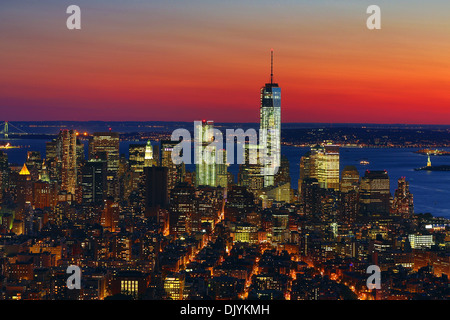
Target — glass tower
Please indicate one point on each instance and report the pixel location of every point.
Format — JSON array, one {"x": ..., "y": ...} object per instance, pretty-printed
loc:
[
  {"x": 270, "y": 128},
  {"x": 206, "y": 174}
]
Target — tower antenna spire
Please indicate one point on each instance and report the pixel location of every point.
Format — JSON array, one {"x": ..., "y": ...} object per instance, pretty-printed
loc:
[{"x": 271, "y": 66}]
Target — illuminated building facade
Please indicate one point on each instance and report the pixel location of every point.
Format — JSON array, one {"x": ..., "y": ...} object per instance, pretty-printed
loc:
[
  {"x": 44, "y": 194},
  {"x": 66, "y": 149},
  {"x": 174, "y": 286},
  {"x": 105, "y": 146},
  {"x": 206, "y": 174},
  {"x": 322, "y": 163},
  {"x": 131, "y": 283},
  {"x": 250, "y": 175},
  {"x": 374, "y": 194},
  {"x": 182, "y": 208},
  {"x": 4, "y": 173},
  {"x": 349, "y": 179},
  {"x": 148, "y": 155},
  {"x": 403, "y": 203},
  {"x": 418, "y": 241},
  {"x": 222, "y": 171},
  {"x": 93, "y": 182},
  {"x": 110, "y": 216},
  {"x": 175, "y": 172},
  {"x": 136, "y": 156},
  {"x": 270, "y": 127}
]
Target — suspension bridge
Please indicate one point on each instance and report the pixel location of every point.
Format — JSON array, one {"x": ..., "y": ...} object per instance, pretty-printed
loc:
[{"x": 8, "y": 128}]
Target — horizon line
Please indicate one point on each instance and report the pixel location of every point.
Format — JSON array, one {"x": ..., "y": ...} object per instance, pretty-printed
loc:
[{"x": 230, "y": 122}]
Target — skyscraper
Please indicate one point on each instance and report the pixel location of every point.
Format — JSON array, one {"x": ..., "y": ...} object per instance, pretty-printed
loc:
[
  {"x": 67, "y": 155},
  {"x": 110, "y": 216},
  {"x": 250, "y": 171},
  {"x": 206, "y": 173},
  {"x": 4, "y": 172},
  {"x": 270, "y": 127},
  {"x": 156, "y": 195},
  {"x": 94, "y": 182},
  {"x": 182, "y": 207},
  {"x": 322, "y": 163},
  {"x": 24, "y": 187},
  {"x": 239, "y": 203},
  {"x": 349, "y": 179},
  {"x": 403, "y": 203},
  {"x": 136, "y": 157},
  {"x": 175, "y": 172},
  {"x": 374, "y": 194},
  {"x": 105, "y": 146},
  {"x": 148, "y": 155},
  {"x": 222, "y": 171}
]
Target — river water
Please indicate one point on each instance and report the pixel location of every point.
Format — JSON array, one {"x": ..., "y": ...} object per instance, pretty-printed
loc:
[{"x": 431, "y": 190}]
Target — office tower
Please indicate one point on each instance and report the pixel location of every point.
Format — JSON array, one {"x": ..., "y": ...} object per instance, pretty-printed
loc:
[
  {"x": 131, "y": 283},
  {"x": 222, "y": 171},
  {"x": 121, "y": 246},
  {"x": 51, "y": 160},
  {"x": 349, "y": 179},
  {"x": 174, "y": 286},
  {"x": 239, "y": 203},
  {"x": 140, "y": 156},
  {"x": 175, "y": 173},
  {"x": 348, "y": 210},
  {"x": 374, "y": 194},
  {"x": 206, "y": 164},
  {"x": 50, "y": 149},
  {"x": 270, "y": 126},
  {"x": 329, "y": 206},
  {"x": 305, "y": 170},
  {"x": 44, "y": 194},
  {"x": 250, "y": 175},
  {"x": 109, "y": 219},
  {"x": 44, "y": 175},
  {"x": 105, "y": 146},
  {"x": 127, "y": 181},
  {"x": 34, "y": 164},
  {"x": 136, "y": 154},
  {"x": 93, "y": 182},
  {"x": 66, "y": 153},
  {"x": 181, "y": 208},
  {"x": 419, "y": 241},
  {"x": 283, "y": 175},
  {"x": 4, "y": 172},
  {"x": 278, "y": 193},
  {"x": 311, "y": 196},
  {"x": 81, "y": 159},
  {"x": 321, "y": 163},
  {"x": 280, "y": 226},
  {"x": 155, "y": 193},
  {"x": 24, "y": 187},
  {"x": 403, "y": 204},
  {"x": 331, "y": 167},
  {"x": 148, "y": 155}
]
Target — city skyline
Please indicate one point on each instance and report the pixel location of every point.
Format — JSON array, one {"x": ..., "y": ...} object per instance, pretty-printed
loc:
[
  {"x": 153, "y": 61},
  {"x": 119, "y": 211}
]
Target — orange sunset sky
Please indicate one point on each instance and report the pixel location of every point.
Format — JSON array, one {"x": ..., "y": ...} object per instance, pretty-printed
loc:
[{"x": 190, "y": 60}]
